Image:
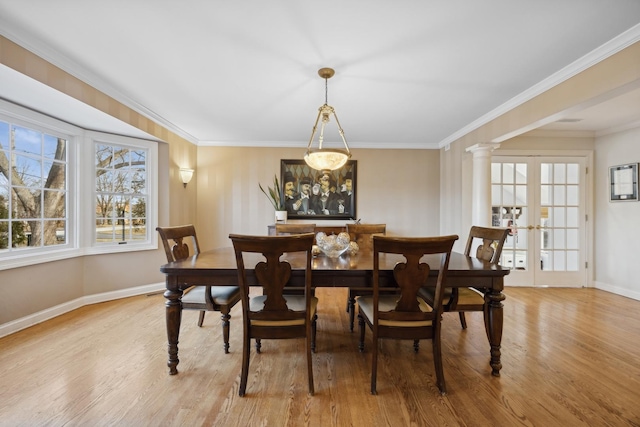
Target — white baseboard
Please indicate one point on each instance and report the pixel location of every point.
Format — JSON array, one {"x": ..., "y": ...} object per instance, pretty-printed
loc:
[
  {"x": 629, "y": 293},
  {"x": 50, "y": 313}
]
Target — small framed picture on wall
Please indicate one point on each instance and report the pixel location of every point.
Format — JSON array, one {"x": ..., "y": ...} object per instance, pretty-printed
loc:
[{"x": 623, "y": 182}]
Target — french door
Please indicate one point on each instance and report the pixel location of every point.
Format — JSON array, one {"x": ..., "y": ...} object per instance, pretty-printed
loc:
[{"x": 542, "y": 201}]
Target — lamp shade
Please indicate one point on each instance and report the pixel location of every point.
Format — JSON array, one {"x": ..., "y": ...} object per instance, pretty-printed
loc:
[
  {"x": 186, "y": 175},
  {"x": 326, "y": 159}
]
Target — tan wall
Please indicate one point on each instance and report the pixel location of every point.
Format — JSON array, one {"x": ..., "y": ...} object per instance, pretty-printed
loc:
[
  {"x": 532, "y": 141},
  {"x": 396, "y": 187},
  {"x": 35, "y": 288}
]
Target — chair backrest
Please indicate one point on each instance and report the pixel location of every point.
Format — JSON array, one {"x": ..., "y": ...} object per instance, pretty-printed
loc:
[
  {"x": 363, "y": 234},
  {"x": 412, "y": 274},
  {"x": 288, "y": 229},
  {"x": 176, "y": 241},
  {"x": 492, "y": 241},
  {"x": 272, "y": 274}
]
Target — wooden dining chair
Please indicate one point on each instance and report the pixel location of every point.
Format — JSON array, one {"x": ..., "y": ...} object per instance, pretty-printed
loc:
[
  {"x": 288, "y": 230},
  {"x": 296, "y": 228},
  {"x": 275, "y": 314},
  {"x": 362, "y": 234},
  {"x": 406, "y": 316},
  {"x": 491, "y": 240},
  {"x": 176, "y": 241}
]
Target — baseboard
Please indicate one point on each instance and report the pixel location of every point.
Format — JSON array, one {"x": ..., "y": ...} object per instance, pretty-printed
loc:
[
  {"x": 618, "y": 290},
  {"x": 50, "y": 313}
]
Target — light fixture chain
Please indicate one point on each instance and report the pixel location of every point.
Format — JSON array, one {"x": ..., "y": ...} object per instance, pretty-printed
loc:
[{"x": 326, "y": 91}]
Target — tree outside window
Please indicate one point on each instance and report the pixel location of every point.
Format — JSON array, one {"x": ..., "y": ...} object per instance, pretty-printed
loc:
[
  {"x": 33, "y": 188},
  {"x": 121, "y": 193}
]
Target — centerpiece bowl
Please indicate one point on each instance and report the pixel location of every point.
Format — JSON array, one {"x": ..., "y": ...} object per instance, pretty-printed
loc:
[{"x": 333, "y": 246}]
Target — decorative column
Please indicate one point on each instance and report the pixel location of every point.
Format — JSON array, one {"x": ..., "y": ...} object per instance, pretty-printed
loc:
[{"x": 481, "y": 187}]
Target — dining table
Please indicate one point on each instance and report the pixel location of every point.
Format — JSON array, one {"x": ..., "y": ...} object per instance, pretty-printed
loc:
[{"x": 218, "y": 267}]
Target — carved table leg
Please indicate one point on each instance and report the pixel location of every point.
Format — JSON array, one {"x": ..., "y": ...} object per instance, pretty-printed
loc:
[
  {"x": 493, "y": 319},
  {"x": 173, "y": 305}
]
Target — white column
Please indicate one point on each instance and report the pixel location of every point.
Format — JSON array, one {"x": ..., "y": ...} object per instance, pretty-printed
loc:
[{"x": 481, "y": 187}]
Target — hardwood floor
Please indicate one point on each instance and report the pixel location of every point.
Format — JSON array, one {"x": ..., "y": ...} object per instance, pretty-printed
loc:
[{"x": 570, "y": 358}]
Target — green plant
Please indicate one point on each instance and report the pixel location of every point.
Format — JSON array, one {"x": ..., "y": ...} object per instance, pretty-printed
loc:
[{"x": 275, "y": 194}]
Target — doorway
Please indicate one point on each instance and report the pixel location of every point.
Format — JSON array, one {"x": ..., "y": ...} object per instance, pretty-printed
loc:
[{"x": 542, "y": 201}]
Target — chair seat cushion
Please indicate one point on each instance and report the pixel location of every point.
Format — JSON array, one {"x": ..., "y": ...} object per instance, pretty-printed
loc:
[
  {"x": 466, "y": 296},
  {"x": 294, "y": 302},
  {"x": 428, "y": 294},
  {"x": 469, "y": 296},
  {"x": 388, "y": 303},
  {"x": 222, "y": 295}
]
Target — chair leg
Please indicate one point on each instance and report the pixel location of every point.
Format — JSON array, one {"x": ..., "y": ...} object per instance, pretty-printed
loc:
[
  {"x": 362, "y": 326},
  {"x": 258, "y": 345},
  {"x": 351, "y": 308},
  {"x": 463, "y": 320},
  {"x": 201, "y": 318},
  {"x": 244, "y": 374},
  {"x": 374, "y": 364},
  {"x": 310, "y": 364},
  {"x": 313, "y": 332},
  {"x": 437, "y": 361},
  {"x": 225, "y": 329}
]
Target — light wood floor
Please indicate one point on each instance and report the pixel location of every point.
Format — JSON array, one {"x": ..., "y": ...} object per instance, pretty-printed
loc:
[{"x": 570, "y": 358}]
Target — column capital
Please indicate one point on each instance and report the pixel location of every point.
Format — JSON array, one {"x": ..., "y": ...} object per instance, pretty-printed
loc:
[{"x": 483, "y": 147}]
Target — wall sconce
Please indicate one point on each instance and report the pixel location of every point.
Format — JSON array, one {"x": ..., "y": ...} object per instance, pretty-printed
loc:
[{"x": 186, "y": 175}]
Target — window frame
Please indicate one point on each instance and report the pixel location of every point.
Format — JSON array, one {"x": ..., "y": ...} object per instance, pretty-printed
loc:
[
  {"x": 93, "y": 247},
  {"x": 80, "y": 190}
]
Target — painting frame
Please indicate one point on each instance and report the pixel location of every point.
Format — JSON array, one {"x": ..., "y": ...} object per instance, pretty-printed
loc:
[
  {"x": 339, "y": 204},
  {"x": 623, "y": 183}
]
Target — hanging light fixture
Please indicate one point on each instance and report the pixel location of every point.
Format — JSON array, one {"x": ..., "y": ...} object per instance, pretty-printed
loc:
[{"x": 326, "y": 159}]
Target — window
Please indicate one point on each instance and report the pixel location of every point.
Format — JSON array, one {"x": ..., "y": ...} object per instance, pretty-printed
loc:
[
  {"x": 67, "y": 192},
  {"x": 121, "y": 198},
  {"x": 33, "y": 188}
]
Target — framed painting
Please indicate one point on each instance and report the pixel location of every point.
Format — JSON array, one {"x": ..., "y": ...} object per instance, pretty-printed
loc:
[
  {"x": 311, "y": 194},
  {"x": 623, "y": 180}
]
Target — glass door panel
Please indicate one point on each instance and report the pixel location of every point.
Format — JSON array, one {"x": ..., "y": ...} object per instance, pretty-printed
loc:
[{"x": 541, "y": 201}]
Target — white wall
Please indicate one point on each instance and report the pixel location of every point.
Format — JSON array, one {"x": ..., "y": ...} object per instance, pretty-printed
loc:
[{"x": 617, "y": 224}]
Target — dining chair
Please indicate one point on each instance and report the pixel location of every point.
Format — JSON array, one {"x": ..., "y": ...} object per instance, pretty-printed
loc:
[
  {"x": 295, "y": 228},
  {"x": 274, "y": 314},
  {"x": 176, "y": 241},
  {"x": 287, "y": 230},
  {"x": 362, "y": 234},
  {"x": 491, "y": 240},
  {"x": 406, "y": 316}
]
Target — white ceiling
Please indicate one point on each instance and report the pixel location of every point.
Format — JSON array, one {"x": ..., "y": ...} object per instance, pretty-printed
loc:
[{"x": 409, "y": 74}]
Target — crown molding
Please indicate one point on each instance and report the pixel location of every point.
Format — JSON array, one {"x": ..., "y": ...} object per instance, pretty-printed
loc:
[
  {"x": 302, "y": 146},
  {"x": 597, "y": 55}
]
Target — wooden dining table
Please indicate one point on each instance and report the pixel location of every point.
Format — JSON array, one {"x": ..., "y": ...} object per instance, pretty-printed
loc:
[{"x": 218, "y": 268}]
